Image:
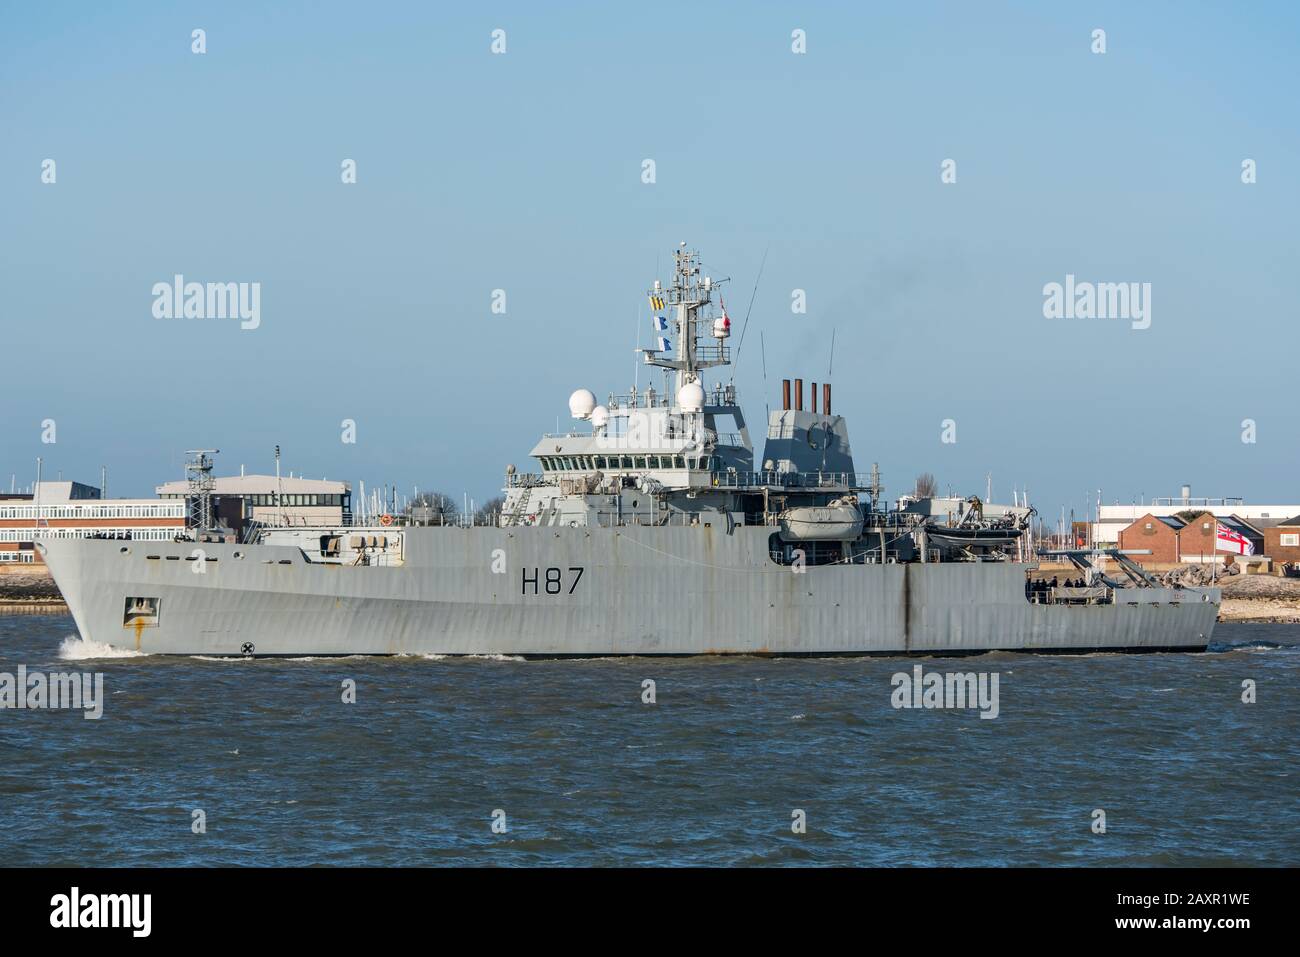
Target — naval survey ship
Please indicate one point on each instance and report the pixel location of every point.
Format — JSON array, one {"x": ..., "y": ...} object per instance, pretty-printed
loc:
[{"x": 649, "y": 528}]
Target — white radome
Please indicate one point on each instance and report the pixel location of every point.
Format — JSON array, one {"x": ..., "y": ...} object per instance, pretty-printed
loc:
[
  {"x": 600, "y": 416},
  {"x": 581, "y": 404},
  {"x": 691, "y": 397}
]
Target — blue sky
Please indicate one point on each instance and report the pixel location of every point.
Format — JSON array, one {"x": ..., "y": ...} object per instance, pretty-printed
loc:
[{"x": 522, "y": 172}]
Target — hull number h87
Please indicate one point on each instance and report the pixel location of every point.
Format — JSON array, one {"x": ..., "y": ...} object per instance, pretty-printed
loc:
[{"x": 550, "y": 581}]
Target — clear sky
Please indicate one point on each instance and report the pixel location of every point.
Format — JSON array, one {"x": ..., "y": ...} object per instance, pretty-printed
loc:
[{"x": 522, "y": 171}]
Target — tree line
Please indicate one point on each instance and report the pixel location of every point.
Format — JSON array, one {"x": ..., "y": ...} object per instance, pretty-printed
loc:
[{"x": 438, "y": 508}]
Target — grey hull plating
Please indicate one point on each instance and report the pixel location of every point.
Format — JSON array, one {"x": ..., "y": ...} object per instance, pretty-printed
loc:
[{"x": 640, "y": 591}]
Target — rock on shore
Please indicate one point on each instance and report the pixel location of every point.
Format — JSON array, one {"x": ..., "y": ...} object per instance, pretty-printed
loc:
[{"x": 28, "y": 586}]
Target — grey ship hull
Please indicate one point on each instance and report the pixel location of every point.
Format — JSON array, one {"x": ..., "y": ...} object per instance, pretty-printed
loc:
[{"x": 640, "y": 591}]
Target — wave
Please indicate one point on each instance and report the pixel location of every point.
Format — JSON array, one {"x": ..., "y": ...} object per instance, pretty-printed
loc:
[
  {"x": 76, "y": 648},
  {"x": 1250, "y": 646},
  {"x": 436, "y": 656}
]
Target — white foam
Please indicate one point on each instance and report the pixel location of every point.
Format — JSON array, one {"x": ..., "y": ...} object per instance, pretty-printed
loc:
[{"x": 74, "y": 648}]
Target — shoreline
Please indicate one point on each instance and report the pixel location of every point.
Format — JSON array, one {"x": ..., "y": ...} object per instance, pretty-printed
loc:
[
  {"x": 1259, "y": 611},
  {"x": 33, "y": 606}
]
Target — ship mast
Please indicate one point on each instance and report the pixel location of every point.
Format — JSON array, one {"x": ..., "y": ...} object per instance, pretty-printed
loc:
[{"x": 687, "y": 296}]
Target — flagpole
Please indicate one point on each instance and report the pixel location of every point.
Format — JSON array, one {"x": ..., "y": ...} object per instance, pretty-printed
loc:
[
  {"x": 636, "y": 345},
  {"x": 38, "y": 496}
]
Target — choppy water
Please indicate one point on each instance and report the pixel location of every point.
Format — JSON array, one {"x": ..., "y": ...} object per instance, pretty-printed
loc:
[{"x": 710, "y": 774}]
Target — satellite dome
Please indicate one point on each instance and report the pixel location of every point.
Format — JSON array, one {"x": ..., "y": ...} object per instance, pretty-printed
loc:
[
  {"x": 599, "y": 416},
  {"x": 581, "y": 404},
  {"x": 691, "y": 397}
]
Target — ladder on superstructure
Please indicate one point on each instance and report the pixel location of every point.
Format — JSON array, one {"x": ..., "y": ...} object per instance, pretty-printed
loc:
[{"x": 518, "y": 511}]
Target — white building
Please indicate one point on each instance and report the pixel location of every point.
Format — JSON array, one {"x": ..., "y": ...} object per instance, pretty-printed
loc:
[
  {"x": 1113, "y": 518},
  {"x": 74, "y": 510},
  {"x": 273, "y": 501}
]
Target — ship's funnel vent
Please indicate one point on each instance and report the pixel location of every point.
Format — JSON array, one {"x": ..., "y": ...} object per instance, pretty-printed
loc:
[
  {"x": 798, "y": 395},
  {"x": 812, "y": 398},
  {"x": 826, "y": 398},
  {"x": 785, "y": 395}
]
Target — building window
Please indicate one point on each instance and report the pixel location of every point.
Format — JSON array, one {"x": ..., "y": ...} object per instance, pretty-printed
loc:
[{"x": 1290, "y": 541}]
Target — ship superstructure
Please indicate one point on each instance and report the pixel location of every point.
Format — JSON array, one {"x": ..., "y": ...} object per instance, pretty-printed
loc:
[{"x": 649, "y": 528}]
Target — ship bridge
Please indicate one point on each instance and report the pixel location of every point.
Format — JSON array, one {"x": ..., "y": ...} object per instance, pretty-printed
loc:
[
  {"x": 643, "y": 435},
  {"x": 681, "y": 451}
]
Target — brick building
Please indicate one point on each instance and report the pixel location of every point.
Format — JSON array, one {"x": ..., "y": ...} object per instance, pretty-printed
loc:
[
  {"x": 1282, "y": 539},
  {"x": 1156, "y": 533},
  {"x": 1188, "y": 537},
  {"x": 73, "y": 510}
]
